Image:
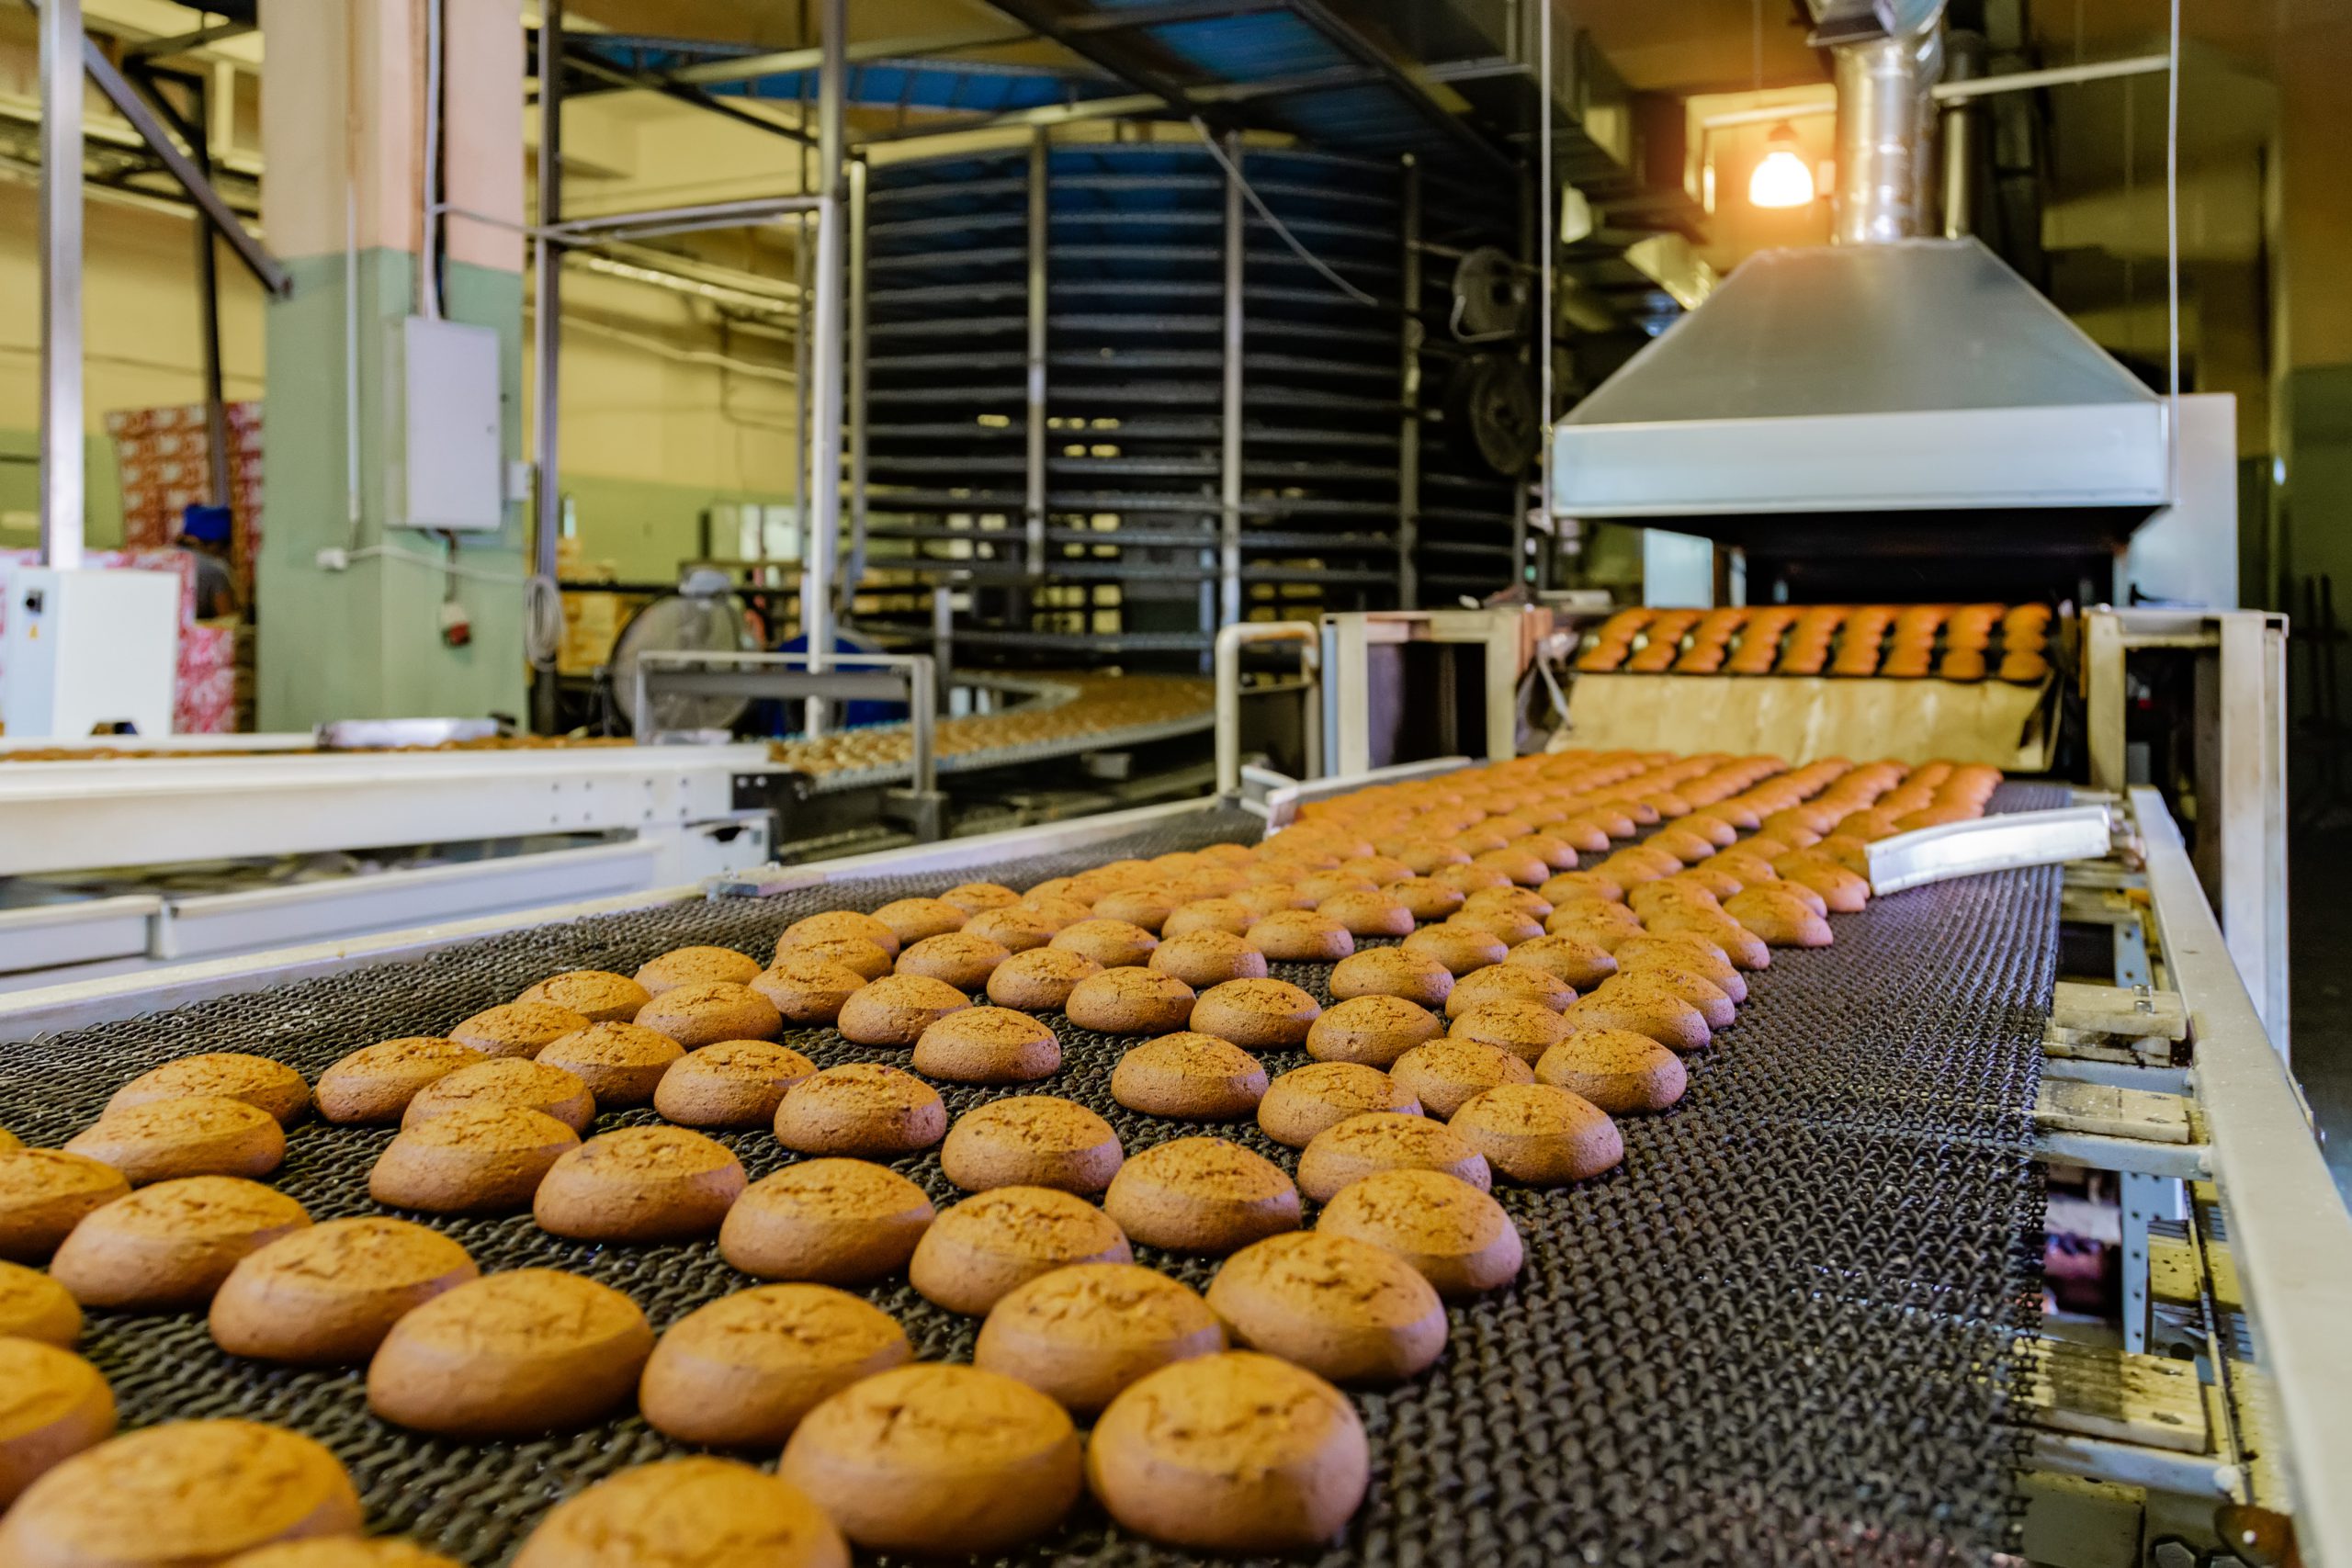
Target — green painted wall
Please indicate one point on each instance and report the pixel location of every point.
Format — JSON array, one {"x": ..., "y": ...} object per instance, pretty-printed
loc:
[
  {"x": 644, "y": 527},
  {"x": 20, "y": 492}
]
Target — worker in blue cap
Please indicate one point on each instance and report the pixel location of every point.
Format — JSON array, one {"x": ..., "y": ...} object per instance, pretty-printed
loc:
[{"x": 204, "y": 533}]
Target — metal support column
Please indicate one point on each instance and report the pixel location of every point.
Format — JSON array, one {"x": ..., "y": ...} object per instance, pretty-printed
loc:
[
  {"x": 1040, "y": 243},
  {"x": 855, "y": 573},
  {"x": 547, "y": 332},
  {"x": 825, "y": 319},
  {"x": 62, "y": 476},
  {"x": 1409, "y": 430},
  {"x": 1547, "y": 246},
  {"x": 1236, "y": 244}
]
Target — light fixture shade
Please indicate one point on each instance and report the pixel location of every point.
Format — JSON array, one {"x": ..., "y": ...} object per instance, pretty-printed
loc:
[{"x": 1782, "y": 179}]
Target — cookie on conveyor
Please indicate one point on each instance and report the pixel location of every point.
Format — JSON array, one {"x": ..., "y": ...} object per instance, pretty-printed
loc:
[
  {"x": 1616, "y": 1069},
  {"x": 1650, "y": 1009},
  {"x": 984, "y": 1247},
  {"x": 692, "y": 966},
  {"x": 1205, "y": 958},
  {"x": 1018, "y": 928},
  {"x": 1080, "y": 1335},
  {"x": 1393, "y": 972},
  {"x": 1301, "y": 936},
  {"x": 977, "y": 897},
  {"x": 1368, "y": 912},
  {"x": 1132, "y": 1001},
  {"x": 1303, "y": 1102},
  {"x": 1257, "y": 1015},
  {"x": 598, "y": 995},
  {"x": 1683, "y": 980},
  {"x": 343, "y": 1552},
  {"x": 959, "y": 958},
  {"x": 1455, "y": 1235},
  {"x": 1508, "y": 982},
  {"x": 935, "y": 1459},
  {"x": 376, "y": 1082},
  {"x": 839, "y": 925},
  {"x": 485, "y": 1157},
  {"x": 897, "y": 1008},
  {"x": 1343, "y": 1309},
  {"x": 1148, "y": 905},
  {"x": 1114, "y": 944},
  {"x": 1031, "y": 1140},
  {"x": 1231, "y": 916},
  {"x": 44, "y": 1193},
  {"x": 179, "y": 1494},
  {"x": 861, "y": 1109},
  {"x": 639, "y": 1184},
  {"x": 911, "y": 920},
  {"x": 518, "y": 1029},
  {"x": 326, "y": 1295},
  {"x": 1193, "y": 1077},
  {"x": 34, "y": 1306},
  {"x": 1460, "y": 948},
  {"x": 171, "y": 1245},
  {"x": 1373, "y": 1030},
  {"x": 511, "y": 1355},
  {"x": 679, "y": 1511},
  {"x": 702, "y": 1012},
  {"x": 1039, "y": 980},
  {"x": 1683, "y": 950},
  {"x": 1525, "y": 1028},
  {"x": 805, "y": 987},
  {"x": 1444, "y": 1073},
  {"x": 867, "y": 960},
  {"x": 54, "y": 1406},
  {"x": 622, "y": 1063},
  {"x": 835, "y": 1222},
  {"x": 1201, "y": 1195},
  {"x": 259, "y": 1082},
  {"x": 1511, "y": 926},
  {"x": 201, "y": 1135},
  {"x": 1237, "y": 1452},
  {"x": 736, "y": 1083},
  {"x": 1578, "y": 962},
  {"x": 1539, "y": 1133},
  {"x": 741, "y": 1372},
  {"x": 988, "y": 1045},
  {"x": 1378, "y": 1141}
]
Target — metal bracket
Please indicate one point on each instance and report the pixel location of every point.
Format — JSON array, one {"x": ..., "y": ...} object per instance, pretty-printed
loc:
[{"x": 1990, "y": 843}]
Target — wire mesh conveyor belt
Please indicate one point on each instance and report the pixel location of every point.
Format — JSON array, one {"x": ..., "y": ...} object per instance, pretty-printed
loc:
[{"x": 1782, "y": 1331}]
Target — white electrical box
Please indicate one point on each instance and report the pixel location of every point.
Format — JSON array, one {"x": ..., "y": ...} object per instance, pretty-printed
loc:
[
  {"x": 453, "y": 461},
  {"x": 88, "y": 652}
]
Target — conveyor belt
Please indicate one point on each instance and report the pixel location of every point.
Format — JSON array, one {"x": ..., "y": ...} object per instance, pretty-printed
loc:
[{"x": 1781, "y": 1332}]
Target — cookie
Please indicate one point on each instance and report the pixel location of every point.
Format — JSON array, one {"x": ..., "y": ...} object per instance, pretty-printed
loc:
[
  {"x": 511, "y": 1355},
  {"x": 1515, "y": 983},
  {"x": 1524, "y": 1029},
  {"x": 1393, "y": 972},
  {"x": 1227, "y": 915},
  {"x": 170, "y": 1245},
  {"x": 1644, "y": 1009},
  {"x": 485, "y": 1157},
  {"x": 988, "y": 1045},
  {"x": 1201, "y": 1195},
  {"x": 1148, "y": 906},
  {"x": 1615, "y": 1070},
  {"x": 44, "y": 1193},
  {"x": 597, "y": 995},
  {"x": 1114, "y": 944},
  {"x": 1444, "y": 1073},
  {"x": 1576, "y": 961},
  {"x": 1471, "y": 877},
  {"x": 911, "y": 920},
  {"x": 895, "y": 1009},
  {"x": 1511, "y": 925},
  {"x": 1780, "y": 915},
  {"x": 1745, "y": 950},
  {"x": 639, "y": 1184},
  {"x": 984, "y": 1247},
  {"x": 1301, "y": 936},
  {"x": 376, "y": 1082},
  {"x": 1462, "y": 949},
  {"x": 1237, "y": 1452},
  {"x": 700, "y": 1510},
  {"x": 34, "y": 1306},
  {"x": 1360, "y": 1146},
  {"x": 325, "y": 1295},
  {"x": 518, "y": 1029},
  {"x": 1520, "y": 901},
  {"x": 1367, "y": 912},
  {"x": 162, "y": 1140},
  {"x": 1031, "y": 1140},
  {"x": 866, "y": 960},
  {"x": 1080, "y": 1334},
  {"x": 620, "y": 1064},
  {"x": 741, "y": 1372},
  {"x": 1325, "y": 885},
  {"x": 1263, "y": 899},
  {"x": 977, "y": 897},
  {"x": 1453, "y": 1235},
  {"x": 1257, "y": 1015},
  {"x": 839, "y": 925},
  {"x": 1680, "y": 980},
  {"x": 1018, "y": 928},
  {"x": 1425, "y": 900},
  {"x": 56, "y": 1406},
  {"x": 1132, "y": 1001},
  {"x": 1341, "y": 1308},
  {"x": 736, "y": 1083},
  {"x": 1193, "y": 1077},
  {"x": 1041, "y": 979},
  {"x": 1603, "y": 925},
  {"x": 1372, "y": 1029},
  {"x": 268, "y": 1086},
  {"x": 959, "y": 958},
  {"x": 935, "y": 1460},
  {"x": 1540, "y": 1133},
  {"x": 835, "y": 1222},
  {"x": 1205, "y": 958},
  {"x": 182, "y": 1493},
  {"x": 702, "y": 1012},
  {"x": 691, "y": 966},
  {"x": 1303, "y": 1102},
  {"x": 861, "y": 1109}
]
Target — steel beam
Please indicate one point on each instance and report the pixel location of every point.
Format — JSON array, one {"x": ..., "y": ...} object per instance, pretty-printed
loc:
[
  {"x": 1409, "y": 389},
  {"x": 1237, "y": 250},
  {"x": 792, "y": 62},
  {"x": 1336, "y": 31},
  {"x": 1039, "y": 301},
  {"x": 547, "y": 336},
  {"x": 184, "y": 43},
  {"x": 61, "y": 474},
  {"x": 823, "y": 389},
  {"x": 646, "y": 81}
]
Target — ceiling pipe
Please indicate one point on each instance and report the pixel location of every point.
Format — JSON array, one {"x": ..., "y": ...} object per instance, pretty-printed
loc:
[{"x": 1886, "y": 117}]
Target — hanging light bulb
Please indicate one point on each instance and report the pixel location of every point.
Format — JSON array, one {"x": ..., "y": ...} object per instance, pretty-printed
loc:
[{"x": 1782, "y": 179}]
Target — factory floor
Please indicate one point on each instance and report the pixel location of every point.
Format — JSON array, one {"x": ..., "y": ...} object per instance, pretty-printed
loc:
[{"x": 2320, "y": 940}]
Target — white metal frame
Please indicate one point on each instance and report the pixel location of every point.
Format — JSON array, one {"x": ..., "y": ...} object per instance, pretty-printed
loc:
[{"x": 1348, "y": 640}]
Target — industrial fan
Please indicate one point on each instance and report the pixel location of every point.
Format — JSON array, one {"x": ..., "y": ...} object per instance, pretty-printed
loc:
[{"x": 702, "y": 617}]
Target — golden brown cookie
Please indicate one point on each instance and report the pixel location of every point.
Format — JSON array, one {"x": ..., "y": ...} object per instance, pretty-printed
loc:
[
  {"x": 1687, "y": 980},
  {"x": 376, "y": 1082},
  {"x": 1031, "y": 1140},
  {"x": 1514, "y": 900},
  {"x": 1615, "y": 1070},
  {"x": 1205, "y": 958},
  {"x": 911, "y": 920},
  {"x": 1343, "y": 1309},
  {"x": 1303, "y": 1102},
  {"x": 486, "y": 1157},
  {"x": 690, "y": 965},
  {"x": 343, "y": 1552},
  {"x": 597, "y": 995},
  {"x": 988, "y": 1045},
  {"x": 1301, "y": 936},
  {"x": 511, "y": 1355},
  {"x": 1146, "y": 905},
  {"x": 1604, "y": 925},
  {"x": 1114, "y": 944},
  {"x": 1644, "y": 1010},
  {"x": 1201, "y": 1195},
  {"x": 959, "y": 958},
  {"x": 866, "y": 960},
  {"x": 736, "y": 1083},
  {"x": 1193, "y": 1077},
  {"x": 1579, "y": 962},
  {"x": 1257, "y": 1015},
  {"x": 1393, "y": 972},
  {"x": 897, "y": 1008},
  {"x": 1227, "y": 915},
  {"x": 1081, "y": 1334},
  {"x": 984, "y": 1247},
  {"x": 837, "y": 1222},
  {"x": 1472, "y": 878},
  {"x": 1455, "y": 1235},
  {"x": 325, "y": 1295},
  {"x": 1384, "y": 1141},
  {"x": 681, "y": 1511},
  {"x": 53, "y": 1404},
  {"x": 839, "y": 925},
  {"x": 535, "y": 1085},
  {"x": 1511, "y": 925},
  {"x": 1463, "y": 949},
  {"x": 268, "y": 1086},
  {"x": 1539, "y": 1133},
  {"x": 518, "y": 1029},
  {"x": 1267, "y": 898},
  {"x": 1132, "y": 1001},
  {"x": 639, "y": 1184},
  {"x": 702, "y": 1012},
  {"x": 1443, "y": 1074},
  {"x": 1745, "y": 950},
  {"x": 1423, "y": 899},
  {"x": 1372, "y": 1029},
  {"x": 201, "y": 1135},
  {"x": 622, "y": 1063},
  {"x": 977, "y": 897},
  {"x": 1039, "y": 980},
  {"x": 741, "y": 1372},
  {"x": 1780, "y": 914},
  {"x": 861, "y": 1109},
  {"x": 34, "y": 1306},
  {"x": 1524, "y": 1029},
  {"x": 44, "y": 1193},
  {"x": 1367, "y": 912},
  {"x": 1234, "y": 1453},
  {"x": 936, "y": 1460},
  {"x": 1016, "y": 929},
  {"x": 170, "y": 1245},
  {"x": 1510, "y": 983}
]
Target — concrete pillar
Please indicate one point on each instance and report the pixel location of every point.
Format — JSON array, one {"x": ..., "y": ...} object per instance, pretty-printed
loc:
[{"x": 343, "y": 130}]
